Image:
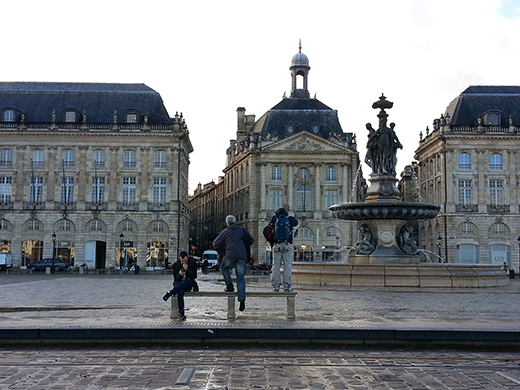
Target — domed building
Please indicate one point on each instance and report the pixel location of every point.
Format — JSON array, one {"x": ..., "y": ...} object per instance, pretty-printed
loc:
[{"x": 296, "y": 153}]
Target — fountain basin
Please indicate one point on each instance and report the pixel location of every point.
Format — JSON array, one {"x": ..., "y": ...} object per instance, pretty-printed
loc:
[
  {"x": 377, "y": 211},
  {"x": 440, "y": 275}
]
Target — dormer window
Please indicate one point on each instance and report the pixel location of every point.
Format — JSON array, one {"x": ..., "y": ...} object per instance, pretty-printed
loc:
[
  {"x": 492, "y": 119},
  {"x": 9, "y": 116},
  {"x": 131, "y": 117},
  {"x": 71, "y": 116},
  {"x": 315, "y": 128}
]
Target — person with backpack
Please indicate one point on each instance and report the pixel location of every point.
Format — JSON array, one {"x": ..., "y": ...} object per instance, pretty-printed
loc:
[{"x": 282, "y": 227}]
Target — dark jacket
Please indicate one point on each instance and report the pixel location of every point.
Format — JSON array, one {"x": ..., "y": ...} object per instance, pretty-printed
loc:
[
  {"x": 191, "y": 272},
  {"x": 292, "y": 221},
  {"x": 230, "y": 242}
]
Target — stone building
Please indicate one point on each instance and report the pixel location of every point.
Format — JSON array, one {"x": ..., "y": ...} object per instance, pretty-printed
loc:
[
  {"x": 296, "y": 153},
  {"x": 94, "y": 173},
  {"x": 469, "y": 165}
]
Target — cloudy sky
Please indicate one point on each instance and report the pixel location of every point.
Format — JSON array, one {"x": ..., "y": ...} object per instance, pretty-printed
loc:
[{"x": 206, "y": 57}]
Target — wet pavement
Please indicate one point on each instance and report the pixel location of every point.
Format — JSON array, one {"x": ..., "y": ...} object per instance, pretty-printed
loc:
[
  {"x": 348, "y": 322},
  {"x": 255, "y": 368},
  {"x": 63, "y": 300}
]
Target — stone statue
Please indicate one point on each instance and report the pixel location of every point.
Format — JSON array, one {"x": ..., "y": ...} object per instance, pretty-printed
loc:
[
  {"x": 361, "y": 187},
  {"x": 382, "y": 143},
  {"x": 406, "y": 244},
  {"x": 382, "y": 147},
  {"x": 366, "y": 243}
]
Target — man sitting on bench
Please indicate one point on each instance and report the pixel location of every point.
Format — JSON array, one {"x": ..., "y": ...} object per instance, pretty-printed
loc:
[{"x": 184, "y": 275}]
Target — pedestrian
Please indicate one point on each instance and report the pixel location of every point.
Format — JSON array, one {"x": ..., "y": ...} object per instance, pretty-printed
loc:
[
  {"x": 282, "y": 225},
  {"x": 231, "y": 244},
  {"x": 184, "y": 275}
]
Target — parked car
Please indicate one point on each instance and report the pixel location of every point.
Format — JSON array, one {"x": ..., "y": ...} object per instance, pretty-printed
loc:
[
  {"x": 54, "y": 264},
  {"x": 6, "y": 261}
]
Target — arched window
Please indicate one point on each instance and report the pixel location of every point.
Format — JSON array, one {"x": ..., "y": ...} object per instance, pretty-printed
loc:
[{"x": 303, "y": 233}]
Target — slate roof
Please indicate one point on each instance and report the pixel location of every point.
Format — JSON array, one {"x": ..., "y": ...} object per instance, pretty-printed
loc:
[
  {"x": 478, "y": 100},
  {"x": 37, "y": 100},
  {"x": 302, "y": 114}
]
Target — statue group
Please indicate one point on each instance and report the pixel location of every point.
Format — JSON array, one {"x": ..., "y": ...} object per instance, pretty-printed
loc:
[{"x": 382, "y": 143}]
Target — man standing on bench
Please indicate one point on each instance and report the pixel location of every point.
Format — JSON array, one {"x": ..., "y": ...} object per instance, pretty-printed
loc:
[
  {"x": 282, "y": 225},
  {"x": 184, "y": 275},
  {"x": 231, "y": 244}
]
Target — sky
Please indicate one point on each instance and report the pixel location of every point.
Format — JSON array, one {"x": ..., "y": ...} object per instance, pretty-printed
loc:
[{"x": 207, "y": 58}]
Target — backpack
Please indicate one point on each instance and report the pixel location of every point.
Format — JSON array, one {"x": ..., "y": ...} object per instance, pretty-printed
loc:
[
  {"x": 282, "y": 229},
  {"x": 268, "y": 233}
]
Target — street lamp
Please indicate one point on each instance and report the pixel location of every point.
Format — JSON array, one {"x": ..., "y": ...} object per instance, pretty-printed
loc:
[
  {"x": 53, "y": 245},
  {"x": 121, "y": 236},
  {"x": 439, "y": 240}
]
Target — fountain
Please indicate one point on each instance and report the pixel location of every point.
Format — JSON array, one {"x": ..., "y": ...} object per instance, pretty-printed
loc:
[{"x": 385, "y": 253}]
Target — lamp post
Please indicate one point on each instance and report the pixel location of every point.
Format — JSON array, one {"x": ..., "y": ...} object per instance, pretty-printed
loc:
[
  {"x": 121, "y": 236},
  {"x": 439, "y": 240},
  {"x": 53, "y": 245}
]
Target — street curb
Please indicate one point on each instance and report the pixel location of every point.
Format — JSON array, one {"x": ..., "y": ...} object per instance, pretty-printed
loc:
[{"x": 259, "y": 335}]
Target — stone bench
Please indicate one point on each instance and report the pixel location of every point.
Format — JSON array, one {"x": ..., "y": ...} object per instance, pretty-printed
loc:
[{"x": 232, "y": 297}]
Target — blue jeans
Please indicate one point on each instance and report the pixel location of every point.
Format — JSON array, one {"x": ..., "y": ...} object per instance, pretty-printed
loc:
[
  {"x": 240, "y": 270},
  {"x": 179, "y": 290},
  {"x": 283, "y": 254}
]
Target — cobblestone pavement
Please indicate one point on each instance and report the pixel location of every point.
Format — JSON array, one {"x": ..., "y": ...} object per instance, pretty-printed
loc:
[
  {"x": 254, "y": 368},
  {"x": 62, "y": 300}
]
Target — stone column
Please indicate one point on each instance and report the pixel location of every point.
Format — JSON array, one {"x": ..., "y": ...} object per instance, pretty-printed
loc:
[
  {"x": 290, "y": 185},
  {"x": 317, "y": 191},
  {"x": 262, "y": 188},
  {"x": 344, "y": 185}
]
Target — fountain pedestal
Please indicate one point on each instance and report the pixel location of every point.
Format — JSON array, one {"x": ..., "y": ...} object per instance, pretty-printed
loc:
[{"x": 383, "y": 189}]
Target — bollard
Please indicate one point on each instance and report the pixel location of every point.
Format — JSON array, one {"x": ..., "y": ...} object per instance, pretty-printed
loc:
[
  {"x": 511, "y": 274},
  {"x": 81, "y": 270},
  {"x": 47, "y": 270},
  {"x": 136, "y": 270}
]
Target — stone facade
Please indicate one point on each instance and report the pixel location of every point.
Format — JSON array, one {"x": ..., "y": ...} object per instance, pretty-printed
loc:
[
  {"x": 93, "y": 173},
  {"x": 469, "y": 165},
  {"x": 296, "y": 153}
]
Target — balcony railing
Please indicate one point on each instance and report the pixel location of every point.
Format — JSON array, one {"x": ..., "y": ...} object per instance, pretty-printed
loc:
[
  {"x": 128, "y": 206},
  {"x": 33, "y": 205},
  {"x": 65, "y": 206},
  {"x": 304, "y": 214},
  {"x": 466, "y": 208},
  {"x": 498, "y": 208},
  {"x": 6, "y": 206},
  {"x": 96, "y": 206},
  {"x": 158, "y": 207}
]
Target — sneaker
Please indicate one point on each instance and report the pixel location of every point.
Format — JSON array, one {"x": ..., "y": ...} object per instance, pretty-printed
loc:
[
  {"x": 242, "y": 306},
  {"x": 276, "y": 289},
  {"x": 227, "y": 290},
  {"x": 287, "y": 289},
  {"x": 167, "y": 296},
  {"x": 182, "y": 317}
]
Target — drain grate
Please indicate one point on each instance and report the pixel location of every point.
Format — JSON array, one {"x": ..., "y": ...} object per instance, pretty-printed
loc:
[{"x": 185, "y": 377}]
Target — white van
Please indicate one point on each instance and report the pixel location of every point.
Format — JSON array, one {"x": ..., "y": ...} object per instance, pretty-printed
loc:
[
  {"x": 6, "y": 261},
  {"x": 212, "y": 258}
]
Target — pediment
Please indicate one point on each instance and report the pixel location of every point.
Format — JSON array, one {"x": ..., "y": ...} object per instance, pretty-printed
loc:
[{"x": 305, "y": 142}]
